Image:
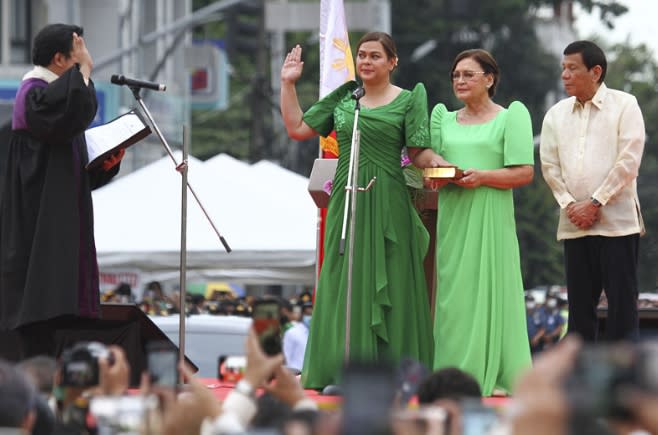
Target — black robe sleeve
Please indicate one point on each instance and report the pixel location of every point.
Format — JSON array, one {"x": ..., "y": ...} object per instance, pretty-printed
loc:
[{"x": 62, "y": 110}]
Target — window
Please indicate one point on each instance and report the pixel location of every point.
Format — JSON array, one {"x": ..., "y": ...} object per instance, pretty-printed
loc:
[{"x": 20, "y": 31}]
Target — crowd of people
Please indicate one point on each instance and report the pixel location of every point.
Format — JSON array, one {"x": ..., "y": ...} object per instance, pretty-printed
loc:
[
  {"x": 41, "y": 396},
  {"x": 156, "y": 301},
  {"x": 546, "y": 321}
]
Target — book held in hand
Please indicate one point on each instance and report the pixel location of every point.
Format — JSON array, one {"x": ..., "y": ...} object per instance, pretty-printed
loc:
[
  {"x": 445, "y": 172},
  {"x": 107, "y": 139}
]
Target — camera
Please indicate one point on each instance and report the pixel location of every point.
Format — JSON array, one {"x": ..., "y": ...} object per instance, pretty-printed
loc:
[
  {"x": 602, "y": 371},
  {"x": 422, "y": 420},
  {"x": 477, "y": 418},
  {"x": 80, "y": 363},
  {"x": 126, "y": 415}
]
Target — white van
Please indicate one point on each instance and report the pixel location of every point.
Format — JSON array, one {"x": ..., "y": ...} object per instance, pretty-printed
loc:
[{"x": 207, "y": 337}]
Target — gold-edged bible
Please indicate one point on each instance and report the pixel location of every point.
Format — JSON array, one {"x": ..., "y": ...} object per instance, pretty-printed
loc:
[{"x": 446, "y": 172}]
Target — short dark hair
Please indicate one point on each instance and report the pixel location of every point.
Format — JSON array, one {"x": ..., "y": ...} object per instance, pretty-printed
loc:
[
  {"x": 53, "y": 39},
  {"x": 154, "y": 286},
  {"x": 591, "y": 53},
  {"x": 124, "y": 289},
  {"x": 486, "y": 61},
  {"x": 448, "y": 383},
  {"x": 17, "y": 396},
  {"x": 382, "y": 37}
]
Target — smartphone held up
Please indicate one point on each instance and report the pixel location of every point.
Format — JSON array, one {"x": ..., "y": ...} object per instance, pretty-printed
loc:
[
  {"x": 266, "y": 323},
  {"x": 162, "y": 361}
]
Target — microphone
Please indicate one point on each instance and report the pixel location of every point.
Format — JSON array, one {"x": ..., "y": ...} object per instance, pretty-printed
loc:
[
  {"x": 358, "y": 93},
  {"x": 122, "y": 80}
]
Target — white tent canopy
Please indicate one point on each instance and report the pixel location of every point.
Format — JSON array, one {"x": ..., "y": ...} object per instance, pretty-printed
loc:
[{"x": 263, "y": 211}]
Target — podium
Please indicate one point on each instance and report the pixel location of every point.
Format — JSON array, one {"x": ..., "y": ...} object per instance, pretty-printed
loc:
[
  {"x": 322, "y": 174},
  {"x": 427, "y": 205},
  {"x": 125, "y": 325}
]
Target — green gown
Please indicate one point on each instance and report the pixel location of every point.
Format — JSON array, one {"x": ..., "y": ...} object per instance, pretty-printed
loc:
[
  {"x": 480, "y": 321},
  {"x": 390, "y": 309}
]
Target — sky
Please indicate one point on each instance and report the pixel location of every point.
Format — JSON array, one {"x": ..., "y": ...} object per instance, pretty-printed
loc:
[{"x": 638, "y": 23}]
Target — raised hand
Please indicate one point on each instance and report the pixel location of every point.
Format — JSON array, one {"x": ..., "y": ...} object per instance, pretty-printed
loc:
[
  {"x": 260, "y": 366},
  {"x": 81, "y": 55},
  {"x": 292, "y": 66}
]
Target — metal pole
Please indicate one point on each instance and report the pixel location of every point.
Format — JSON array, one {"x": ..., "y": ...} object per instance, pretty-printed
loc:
[
  {"x": 356, "y": 139},
  {"x": 351, "y": 190},
  {"x": 182, "y": 168}
]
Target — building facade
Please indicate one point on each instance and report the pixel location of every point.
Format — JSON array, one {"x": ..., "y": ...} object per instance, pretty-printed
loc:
[{"x": 143, "y": 39}]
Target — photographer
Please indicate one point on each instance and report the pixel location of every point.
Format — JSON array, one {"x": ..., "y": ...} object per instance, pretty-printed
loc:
[
  {"x": 87, "y": 370},
  {"x": 198, "y": 411},
  {"x": 447, "y": 388}
]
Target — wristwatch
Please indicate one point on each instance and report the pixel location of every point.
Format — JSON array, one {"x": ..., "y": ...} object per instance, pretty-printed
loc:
[
  {"x": 596, "y": 202},
  {"x": 245, "y": 388}
]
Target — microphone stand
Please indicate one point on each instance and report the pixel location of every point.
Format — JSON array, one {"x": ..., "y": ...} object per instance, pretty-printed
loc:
[
  {"x": 165, "y": 144},
  {"x": 182, "y": 168},
  {"x": 350, "y": 204}
]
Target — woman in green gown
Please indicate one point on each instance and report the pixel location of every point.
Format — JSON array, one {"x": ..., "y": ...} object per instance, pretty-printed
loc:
[
  {"x": 390, "y": 313},
  {"x": 480, "y": 323}
]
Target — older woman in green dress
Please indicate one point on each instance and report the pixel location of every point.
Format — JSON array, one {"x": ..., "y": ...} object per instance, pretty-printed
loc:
[
  {"x": 390, "y": 313},
  {"x": 480, "y": 323}
]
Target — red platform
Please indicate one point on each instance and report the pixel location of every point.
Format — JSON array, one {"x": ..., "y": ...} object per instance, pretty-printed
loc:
[{"x": 221, "y": 389}]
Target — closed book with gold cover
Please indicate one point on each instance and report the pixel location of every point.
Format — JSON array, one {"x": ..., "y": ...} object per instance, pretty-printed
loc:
[{"x": 449, "y": 172}]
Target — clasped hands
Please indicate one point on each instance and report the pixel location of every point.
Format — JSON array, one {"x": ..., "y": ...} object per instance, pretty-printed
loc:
[{"x": 583, "y": 214}]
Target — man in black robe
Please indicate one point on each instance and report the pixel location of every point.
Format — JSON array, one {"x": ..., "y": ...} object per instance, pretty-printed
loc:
[{"x": 48, "y": 266}]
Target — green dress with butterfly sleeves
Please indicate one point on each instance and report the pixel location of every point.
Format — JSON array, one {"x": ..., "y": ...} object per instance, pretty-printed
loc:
[{"x": 390, "y": 310}]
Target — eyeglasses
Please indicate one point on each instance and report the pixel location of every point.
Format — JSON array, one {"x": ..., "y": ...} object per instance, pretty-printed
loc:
[{"x": 467, "y": 75}]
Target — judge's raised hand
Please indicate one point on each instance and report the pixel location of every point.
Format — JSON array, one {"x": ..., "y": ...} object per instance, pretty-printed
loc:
[
  {"x": 292, "y": 66},
  {"x": 81, "y": 56}
]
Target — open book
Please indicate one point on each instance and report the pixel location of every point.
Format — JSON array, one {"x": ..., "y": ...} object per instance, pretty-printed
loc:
[{"x": 105, "y": 140}]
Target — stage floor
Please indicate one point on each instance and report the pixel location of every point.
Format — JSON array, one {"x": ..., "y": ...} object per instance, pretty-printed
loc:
[{"x": 221, "y": 389}]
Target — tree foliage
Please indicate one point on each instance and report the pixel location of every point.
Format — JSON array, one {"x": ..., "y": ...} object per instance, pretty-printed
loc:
[{"x": 634, "y": 69}]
